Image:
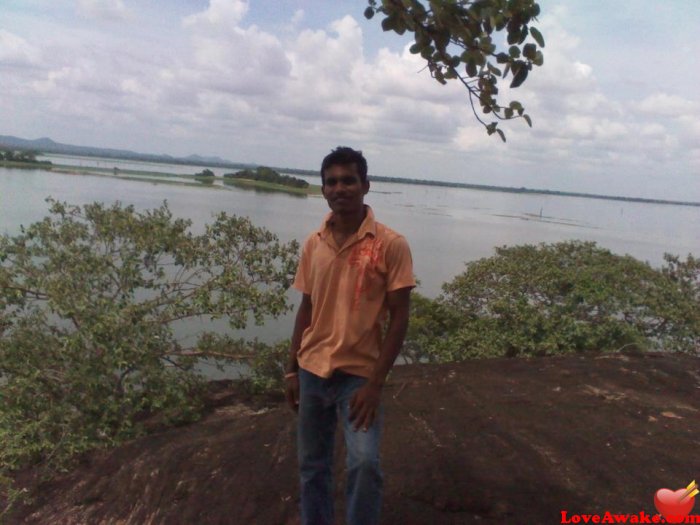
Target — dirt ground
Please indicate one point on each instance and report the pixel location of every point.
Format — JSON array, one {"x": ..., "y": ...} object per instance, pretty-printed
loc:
[{"x": 514, "y": 441}]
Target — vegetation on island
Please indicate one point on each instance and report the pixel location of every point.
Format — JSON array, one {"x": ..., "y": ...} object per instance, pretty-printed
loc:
[
  {"x": 205, "y": 173},
  {"x": 22, "y": 157},
  {"x": 206, "y": 176},
  {"x": 267, "y": 179},
  {"x": 265, "y": 174}
]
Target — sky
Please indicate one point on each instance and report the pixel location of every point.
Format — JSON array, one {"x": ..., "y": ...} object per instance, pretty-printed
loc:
[{"x": 615, "y": 108}]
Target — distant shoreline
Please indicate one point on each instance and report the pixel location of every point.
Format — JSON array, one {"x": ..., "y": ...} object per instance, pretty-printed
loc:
[
  {"x": 158, "y": 177},
  {"x": 49, "y": 147},
  {"x": 421, "y": 182},
  {"x": 508, "y": 189}
]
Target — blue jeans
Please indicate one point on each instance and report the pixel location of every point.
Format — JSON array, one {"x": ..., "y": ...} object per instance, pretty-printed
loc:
[{"x": 321, "y": 402}]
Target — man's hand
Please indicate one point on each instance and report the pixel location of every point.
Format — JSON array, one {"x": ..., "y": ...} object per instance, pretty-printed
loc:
[
  {"x": 364, "y": 406},
  {"x": 291, "y": 392}
]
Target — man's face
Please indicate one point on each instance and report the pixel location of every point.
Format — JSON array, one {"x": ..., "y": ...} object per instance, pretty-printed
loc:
[{"x": 343, "y": 188}]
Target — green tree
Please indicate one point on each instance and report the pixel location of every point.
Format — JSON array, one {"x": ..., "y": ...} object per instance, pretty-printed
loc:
[
  {"x": 458, "y": 40},
  {"x": 90, "y": 298},
  {"x": 28, "y": 155},
  {"x": 560, "y": 298},
  {"x": 265, "y": 174}
]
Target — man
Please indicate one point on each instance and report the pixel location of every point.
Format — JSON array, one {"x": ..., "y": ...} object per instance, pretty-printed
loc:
[{"x": 353, "y": 271}]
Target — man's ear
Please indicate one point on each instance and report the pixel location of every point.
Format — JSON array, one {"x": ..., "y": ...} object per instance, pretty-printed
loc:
[{"x": 366, "y": 188}]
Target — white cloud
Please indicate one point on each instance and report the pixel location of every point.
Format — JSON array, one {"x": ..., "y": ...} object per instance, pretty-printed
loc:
[
  {"x": 606, "y": 130},
  {"x": 103, "y": 9},
  {"x": 221, "y": 14},
  {"x": 652, "y": 130},
  {"x": 16, "y": 51},
  {"x": 216, "y": 83},
  {"x": 665, "y": 105}
]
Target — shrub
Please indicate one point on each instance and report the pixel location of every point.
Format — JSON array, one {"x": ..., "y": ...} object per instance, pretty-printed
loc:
[
  {"x": 89, "y": 298},
  {"x": 560, "y": 298}
]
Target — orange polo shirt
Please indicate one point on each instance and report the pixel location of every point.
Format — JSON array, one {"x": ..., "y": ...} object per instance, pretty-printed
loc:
[{"x": 348, "y": 287}]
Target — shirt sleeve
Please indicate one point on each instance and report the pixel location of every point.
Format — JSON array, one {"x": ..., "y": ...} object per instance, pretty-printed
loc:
[
  {"x": 399, "y": 265},
  {"x": 302, "y": 279}
]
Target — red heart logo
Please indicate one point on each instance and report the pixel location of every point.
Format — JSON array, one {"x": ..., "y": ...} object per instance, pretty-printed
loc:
[{"x": 673, "y": 505}]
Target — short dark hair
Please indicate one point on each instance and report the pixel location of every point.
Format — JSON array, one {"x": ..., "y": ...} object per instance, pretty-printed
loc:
[{"x": 342, "y": 155}]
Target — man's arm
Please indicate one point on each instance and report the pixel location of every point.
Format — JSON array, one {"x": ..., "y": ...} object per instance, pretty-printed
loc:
[
  {"x": 365, "y": 402},
  {"x": 302, "y": 322}
]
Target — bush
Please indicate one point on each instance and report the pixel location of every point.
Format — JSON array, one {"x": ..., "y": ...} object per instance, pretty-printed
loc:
[
  {"x": 88, "y": 300},
  {"x": 268, "y": 175},
  {"x": 559, "y": 298},
  {"x": 267, "y": 366}
]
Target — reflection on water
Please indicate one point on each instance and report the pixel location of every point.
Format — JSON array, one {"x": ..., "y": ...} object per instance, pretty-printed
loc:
[{"x": 547, "y": 219}]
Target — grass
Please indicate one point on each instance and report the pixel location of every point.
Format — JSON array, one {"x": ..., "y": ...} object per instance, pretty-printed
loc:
[
  {"x": 90, "y": 170},
  {"x": 24, "y": 164}
]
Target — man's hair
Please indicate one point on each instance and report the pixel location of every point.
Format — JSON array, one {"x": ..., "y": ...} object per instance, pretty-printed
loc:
[{"x": 342, "y": 155}]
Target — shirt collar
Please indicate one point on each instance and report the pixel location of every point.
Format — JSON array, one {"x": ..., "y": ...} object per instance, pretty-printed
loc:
[{"x": 368, "y": 226}]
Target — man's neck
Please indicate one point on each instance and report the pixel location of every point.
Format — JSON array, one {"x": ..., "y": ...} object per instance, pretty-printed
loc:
[{"x": 349, "y": 223}]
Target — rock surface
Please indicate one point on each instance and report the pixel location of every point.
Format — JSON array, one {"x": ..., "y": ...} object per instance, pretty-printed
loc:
[{"x": 513, "y": 441}]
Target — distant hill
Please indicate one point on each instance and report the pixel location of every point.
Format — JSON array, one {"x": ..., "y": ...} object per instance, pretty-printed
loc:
[{"x": 46, "y": 145}]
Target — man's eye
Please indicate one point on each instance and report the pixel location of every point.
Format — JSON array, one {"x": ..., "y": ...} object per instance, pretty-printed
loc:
[
  {"x": 348, "y": 181},
  {"x": 331, "y": 182}
]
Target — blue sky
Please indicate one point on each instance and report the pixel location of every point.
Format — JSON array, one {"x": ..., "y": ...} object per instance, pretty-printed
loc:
[{"x": 615, "y": 108}]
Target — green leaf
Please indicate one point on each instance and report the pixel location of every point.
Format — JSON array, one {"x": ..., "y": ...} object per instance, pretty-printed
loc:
[
  {"x": 539, "y": 59},
  {"x": 513, "y": 37},
  {"x": 530, "y": 51},
  {"x": 439, "y": 76},
  {"x": 537, "y": 36},
  {"x": 527, "y": 119},
  {"x": 506, "y": 70},
  {"x": 441, "y": 39},
  {"x": 493, "y": 69},
  {"x": 369, "y": 13},
  {"x": 501, "y": 134},
  {"x": 514, "y": 51},
  {"x": 523, "y": 34},
  {"x": 519, "y": 77},
  {"x": 388, "y": 23}
]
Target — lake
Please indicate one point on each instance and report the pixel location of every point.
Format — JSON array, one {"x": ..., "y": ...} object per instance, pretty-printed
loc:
[{"x": 445, "y": 227}]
